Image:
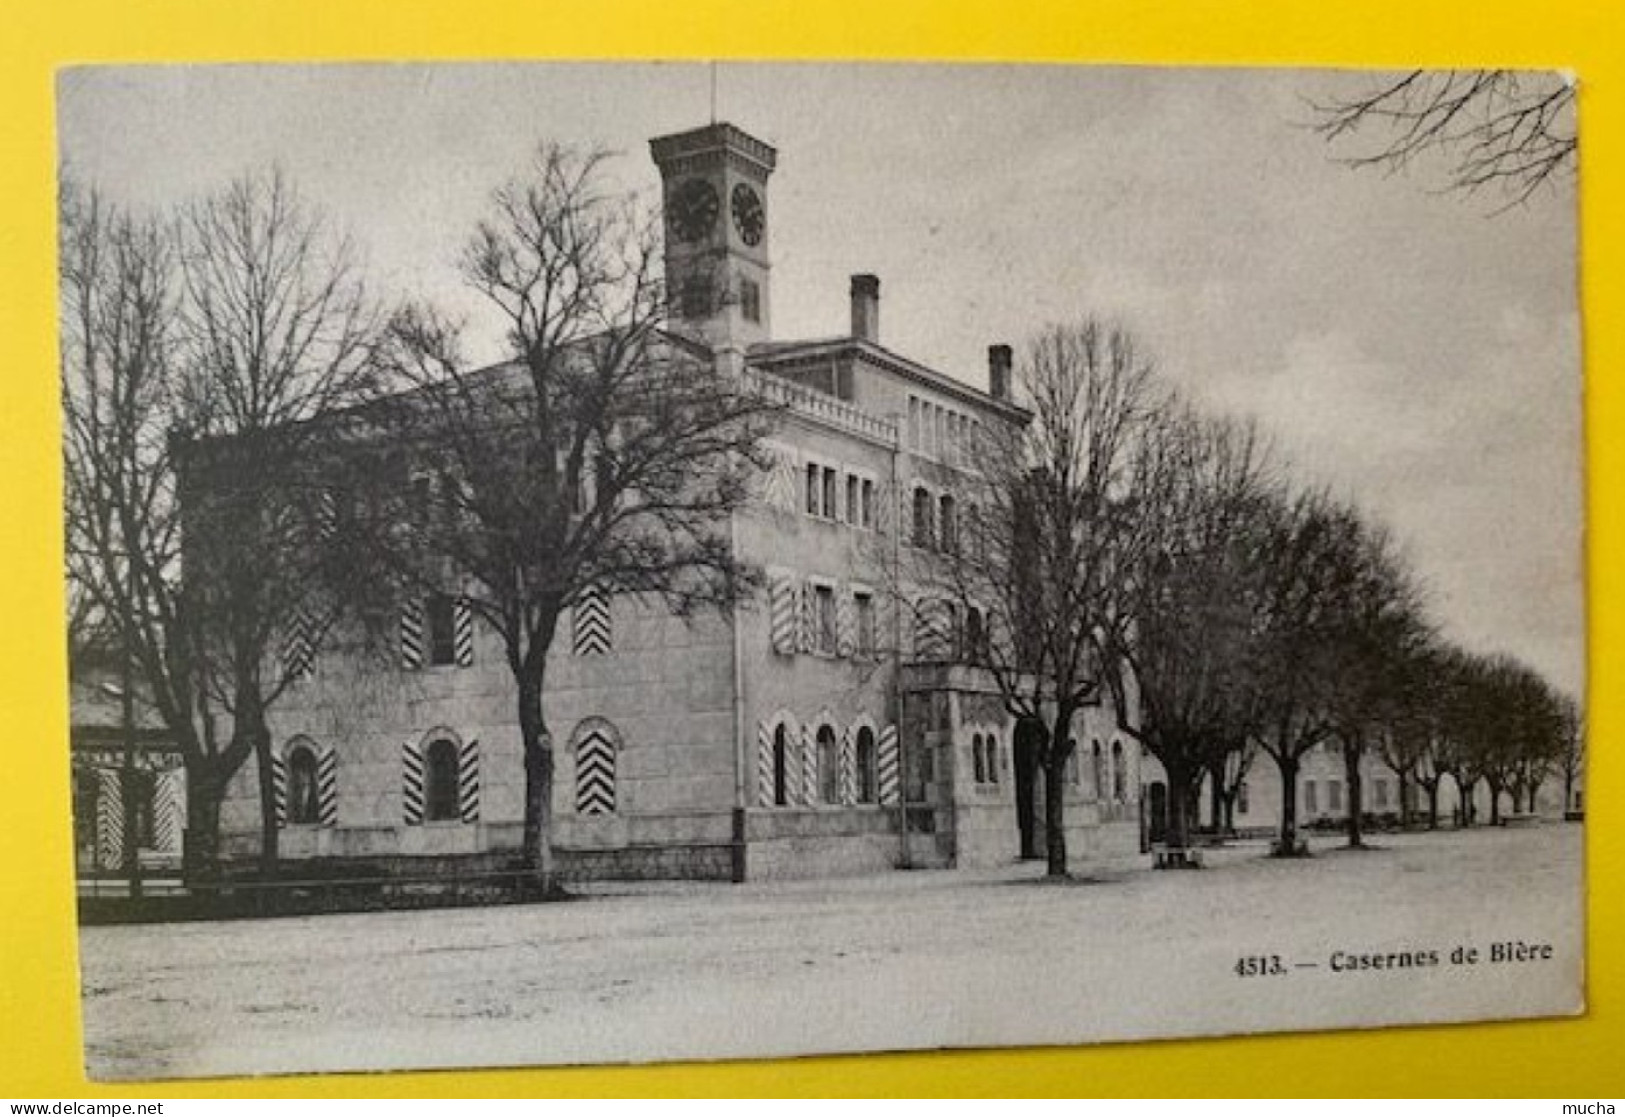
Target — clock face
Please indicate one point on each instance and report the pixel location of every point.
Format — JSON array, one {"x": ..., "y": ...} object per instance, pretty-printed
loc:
[
  {"x": 748, "y": 216},
  {"x": 694, "y": 209}
]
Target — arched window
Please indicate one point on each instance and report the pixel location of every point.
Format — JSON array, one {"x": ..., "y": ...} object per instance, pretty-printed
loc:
[
  {"x": 829, "y": 766},
  {"x": 922, "y": 518},
  {"x": 992, "y": 759},
  {"x": 1099, "y": 770},
  {"x": 978, "y": 761},
  {"x": 304, "y": 804},
  {"x": 440, "y": 775},
  {"x": 781, "y": 765},
  {"x": 947, "y": 526},
  {"x": 1119, "y": 774},
  {"x": 866, "y": 765}
]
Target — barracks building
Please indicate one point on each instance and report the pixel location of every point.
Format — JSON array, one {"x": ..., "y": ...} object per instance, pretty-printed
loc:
[{"x": 819, "y": 730}]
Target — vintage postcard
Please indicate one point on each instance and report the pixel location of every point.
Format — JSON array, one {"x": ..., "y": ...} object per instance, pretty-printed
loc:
[{"x": 599, "y": 563}]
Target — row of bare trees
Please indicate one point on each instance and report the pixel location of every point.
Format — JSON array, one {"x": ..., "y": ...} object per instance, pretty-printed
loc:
[{"x": 1135, "y": 552}]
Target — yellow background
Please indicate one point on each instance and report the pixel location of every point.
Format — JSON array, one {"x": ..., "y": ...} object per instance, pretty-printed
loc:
[{"x": 39, "y": 1003}]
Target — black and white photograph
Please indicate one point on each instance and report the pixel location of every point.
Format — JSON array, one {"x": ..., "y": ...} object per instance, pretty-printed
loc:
[{"x": 583, "y": 563}]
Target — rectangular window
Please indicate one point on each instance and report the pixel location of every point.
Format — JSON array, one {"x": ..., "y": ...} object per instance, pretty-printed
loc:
[
  {"x": 750, "y": 300},
  {"x": 863, "y": 605},
  {"x": 814, "y": 492},
  {"x": 831, "y": 495},
  {"x": 696, "y": 296},
  {"x": 913, "y": 422},
  {"x": 1334, "y": 795},
  {"x": 442, "y": 638},
  {"x": 824, "y": 604},
  {"x": 853, "y": 505},
  {"x": 868, "y": 504},
  {"x": 1382, "y": 794},
  {"x": 1309, "y": 804}
]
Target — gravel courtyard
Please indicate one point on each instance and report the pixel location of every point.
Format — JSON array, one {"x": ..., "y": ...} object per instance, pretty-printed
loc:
[{"x": 905, "y": 960}]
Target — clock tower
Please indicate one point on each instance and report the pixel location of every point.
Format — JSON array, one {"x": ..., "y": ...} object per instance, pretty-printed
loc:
[{"x": 714, "y": 189}]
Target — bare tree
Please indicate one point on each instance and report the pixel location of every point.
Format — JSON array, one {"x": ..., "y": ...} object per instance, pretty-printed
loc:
[
  {"x": 1378, "y": 628},
  {"x": 1497, "y": 129},
  {"x": 1190, "y": 590},
  {"x": 200, "y": 354},
  {"x": 1035, "y": 553},
  {"x": 1307, "y": 559},
  {"x": 1571, "y": 761},
  {"x": 605, "y": 456}
]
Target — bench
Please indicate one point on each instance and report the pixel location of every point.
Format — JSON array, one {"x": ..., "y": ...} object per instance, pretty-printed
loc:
[
  {"x": 1167, "y": 857},
  {"x": 1519, "y": 819}
]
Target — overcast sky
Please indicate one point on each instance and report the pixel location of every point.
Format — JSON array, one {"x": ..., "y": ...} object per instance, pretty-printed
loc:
[{"x": 1404, "y": 346}]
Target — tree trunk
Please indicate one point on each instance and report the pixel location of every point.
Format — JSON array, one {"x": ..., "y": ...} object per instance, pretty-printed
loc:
[
  {"x": 1433, "y": 805},
  {"x": 1216, "y": 800},
  {"x": 251, "y": 726},
  {"x": 1404, "y": 800},
  {"x": 1495, "y": 803},
  {"x": 1287, "y": 843},
  {"x": 200, "y": 848},
  {"x": 1351, "y": 773},
  {"x": 1055, "y": 813},
  {"x": 1182, "y": 799},
  {"x": 537, "y": 850}
]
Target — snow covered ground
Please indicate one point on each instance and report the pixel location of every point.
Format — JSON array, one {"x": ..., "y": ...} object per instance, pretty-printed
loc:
[{"x": 904, "y": 960}]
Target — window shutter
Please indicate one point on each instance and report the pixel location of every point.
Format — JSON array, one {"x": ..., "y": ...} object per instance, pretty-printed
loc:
[
  {"x": 279, "y": 789},
  {"x": 327, "y": 514},
  {"x": 808, "y": 638},
  {"x": 327, "y": 787},
  {"x": 592, "y": 634},
  {"x": 764, "y": 764},
  {"x": 298, "y": 650},
  {"x": 809, "y": 767},
  {"x": 468, "y": 782},
  {"x": 595, "y": 771},
  {"x": 462, "y": 628},
  {"x": 109, "y": 817},
  {"x": 886, "y": 766},
  {"x": 782, "y": 607},
  {"x": 849, "y": 768},
  {"x": 846, "y": 639},
  {"x": 169, "y": 813},
  {"x": 412, "y": 783},
  {"x": 412, "y": 635}
]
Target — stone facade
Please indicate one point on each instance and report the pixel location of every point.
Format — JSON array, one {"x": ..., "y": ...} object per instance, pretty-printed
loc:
[{"x": 818, "y": 730}]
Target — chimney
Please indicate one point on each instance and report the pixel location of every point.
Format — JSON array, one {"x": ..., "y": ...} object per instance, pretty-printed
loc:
[
  {"x": 866, "y": 308},
  {"x": 998, "y": 371}
]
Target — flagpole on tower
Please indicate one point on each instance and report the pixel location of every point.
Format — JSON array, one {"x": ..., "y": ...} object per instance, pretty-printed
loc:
[{"x": 713, "y": 91}]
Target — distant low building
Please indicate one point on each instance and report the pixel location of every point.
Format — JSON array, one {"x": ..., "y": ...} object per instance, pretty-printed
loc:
[{"x": 117, "y": 765}]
